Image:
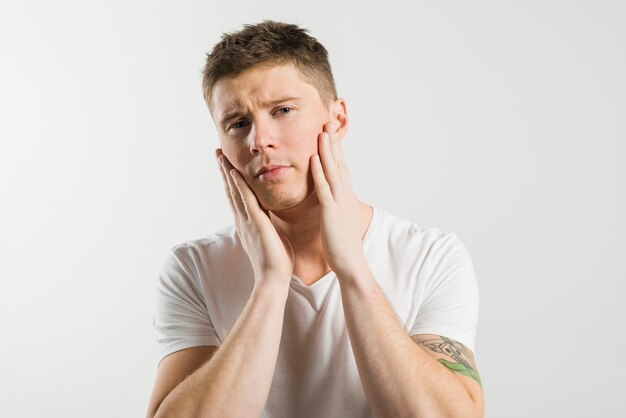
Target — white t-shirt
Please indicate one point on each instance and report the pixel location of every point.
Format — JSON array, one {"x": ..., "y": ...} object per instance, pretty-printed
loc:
[{"x": 426, "y": 274}]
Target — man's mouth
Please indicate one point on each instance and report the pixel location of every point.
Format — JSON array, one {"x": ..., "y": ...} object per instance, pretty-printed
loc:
[
  {"x": 272, "y": 172},
  {"x": 269, "y": 168}
]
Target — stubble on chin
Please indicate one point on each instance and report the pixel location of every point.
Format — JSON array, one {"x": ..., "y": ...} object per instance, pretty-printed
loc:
[
  {"x": 283, "y": 200},
  {"x": 276, "y": 203},
  {"x": 280, "y": 200}
]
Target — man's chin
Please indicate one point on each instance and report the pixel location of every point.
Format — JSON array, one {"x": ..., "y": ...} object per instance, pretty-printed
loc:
[{"x": 279, "y": 205}]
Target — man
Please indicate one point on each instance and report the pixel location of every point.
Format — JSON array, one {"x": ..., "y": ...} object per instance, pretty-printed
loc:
[{"x": 313, "y": 304}]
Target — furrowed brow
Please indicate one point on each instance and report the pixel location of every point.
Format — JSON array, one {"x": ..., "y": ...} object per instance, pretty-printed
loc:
[
  {"x": 230, "y": 116},
  {"x": 282, "y": 99},
  {"x": 236, "y": 113}
]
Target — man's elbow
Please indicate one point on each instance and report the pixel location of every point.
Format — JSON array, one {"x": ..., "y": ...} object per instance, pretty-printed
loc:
[
  {"x": 477, "y": 409},
  {"x": 474, "y": 408}
]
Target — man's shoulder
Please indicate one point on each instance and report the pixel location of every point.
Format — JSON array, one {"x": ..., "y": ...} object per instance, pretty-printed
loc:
[
  {"x": 203, "y": 262},
  {"x": 222, "y": 241},
  {"x": 400, "y": 236},
  {"x": 400, "y": 229}
]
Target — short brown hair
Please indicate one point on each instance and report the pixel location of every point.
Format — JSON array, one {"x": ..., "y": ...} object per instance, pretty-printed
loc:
[{"x": 269, "y": 42}]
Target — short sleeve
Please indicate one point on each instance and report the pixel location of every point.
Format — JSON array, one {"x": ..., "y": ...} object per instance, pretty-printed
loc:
[
  {"x": 181, "y": 319},
  {"x": 450, "y": 302}
]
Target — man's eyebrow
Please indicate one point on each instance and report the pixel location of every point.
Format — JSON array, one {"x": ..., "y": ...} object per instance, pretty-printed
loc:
[{"x": 236, "y": 113}]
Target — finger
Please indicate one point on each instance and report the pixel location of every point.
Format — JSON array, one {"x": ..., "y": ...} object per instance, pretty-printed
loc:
[
  {"x": 226, "y": 186},
  {"x": 322, "y": 188},
  {"x": 328, "y": 164},
  {"x": 335, "y": 146},
  {"x": 236, "y": 194},
  {"x": 232, "y": 189},
  {"x": 248, "y": 198}
]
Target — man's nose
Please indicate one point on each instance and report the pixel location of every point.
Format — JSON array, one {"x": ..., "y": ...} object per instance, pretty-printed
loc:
[{"x": 262, "y": 137}]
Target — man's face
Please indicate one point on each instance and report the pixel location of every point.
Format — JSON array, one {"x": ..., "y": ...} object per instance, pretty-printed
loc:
[{"x": 269, "y": 115}]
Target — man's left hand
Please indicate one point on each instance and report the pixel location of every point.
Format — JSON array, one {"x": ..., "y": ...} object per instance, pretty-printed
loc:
[{"x": 340, "y": 215}]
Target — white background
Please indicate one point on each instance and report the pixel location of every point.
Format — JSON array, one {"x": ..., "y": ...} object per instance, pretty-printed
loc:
[{"x": 500, "y": 121}]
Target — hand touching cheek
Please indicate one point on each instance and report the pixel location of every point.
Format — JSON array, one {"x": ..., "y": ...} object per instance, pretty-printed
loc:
[
  {"x": 268, "y": 249},
  {"x": 340, "y": 220}
]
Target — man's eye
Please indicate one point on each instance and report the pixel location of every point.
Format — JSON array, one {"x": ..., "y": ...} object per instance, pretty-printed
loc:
[
  {"x": 284, "y": 110},
  {"x": 239, "y": 124}
]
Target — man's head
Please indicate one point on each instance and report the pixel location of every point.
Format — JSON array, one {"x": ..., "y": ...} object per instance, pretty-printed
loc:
[
  {"x": 269, "y": 43},
  {"x": 270, "y": 91}
]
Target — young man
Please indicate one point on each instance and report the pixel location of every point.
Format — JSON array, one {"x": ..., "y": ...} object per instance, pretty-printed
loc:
[{"x": 313, "y": 304}]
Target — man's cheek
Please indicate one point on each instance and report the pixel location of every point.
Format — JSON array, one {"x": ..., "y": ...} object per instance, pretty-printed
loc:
[{"x": 232, "y": 156}]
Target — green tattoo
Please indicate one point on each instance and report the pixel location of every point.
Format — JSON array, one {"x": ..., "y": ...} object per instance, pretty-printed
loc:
[
  {"x": 461, "y": 354},
  {"x": 460, "y": 368}
]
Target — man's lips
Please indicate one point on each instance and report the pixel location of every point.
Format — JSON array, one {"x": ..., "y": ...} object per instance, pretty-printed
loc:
[
  {"x": 273, "y": 174},
  {"x": 268, "y": 168}
]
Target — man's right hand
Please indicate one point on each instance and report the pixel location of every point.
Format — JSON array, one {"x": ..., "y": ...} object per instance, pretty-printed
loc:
[{"x": 268, "y": 248}]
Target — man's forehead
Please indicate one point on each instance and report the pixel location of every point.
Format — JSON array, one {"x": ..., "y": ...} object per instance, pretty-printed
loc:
[
  {"x": 232, "y": 103},
  {"x": 261, "y": 86}
]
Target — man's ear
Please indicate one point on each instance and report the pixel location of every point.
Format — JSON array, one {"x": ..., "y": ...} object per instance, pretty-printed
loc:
[{"x": 339, "y": 116}]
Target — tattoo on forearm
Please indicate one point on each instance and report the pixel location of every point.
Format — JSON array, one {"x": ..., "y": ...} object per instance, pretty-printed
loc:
[{"x": 464, "y": 359}]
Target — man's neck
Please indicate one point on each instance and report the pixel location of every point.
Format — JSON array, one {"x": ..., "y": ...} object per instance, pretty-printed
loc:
[{"x": 301, "y": 225}]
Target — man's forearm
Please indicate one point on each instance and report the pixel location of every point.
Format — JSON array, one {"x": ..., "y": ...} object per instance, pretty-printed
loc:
[
  {"x": 398, "y": 377},
  {"x": 235, "y": 382}
]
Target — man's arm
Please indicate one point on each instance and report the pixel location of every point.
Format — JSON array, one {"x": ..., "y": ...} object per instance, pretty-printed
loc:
[
  {"x": 235, "y": 382},
  {"x": 399, "y": 378},
  {"x": 455, "y": 356},
  {"x": 173, "y": 369}
]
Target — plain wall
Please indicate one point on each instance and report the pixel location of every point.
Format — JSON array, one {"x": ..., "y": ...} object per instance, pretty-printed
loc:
[{"x": 500, "y": 121}]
